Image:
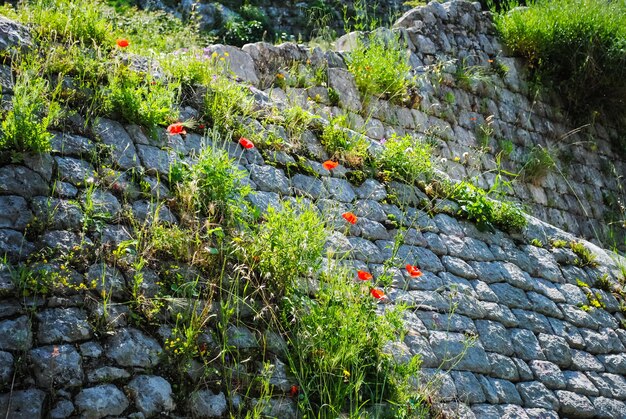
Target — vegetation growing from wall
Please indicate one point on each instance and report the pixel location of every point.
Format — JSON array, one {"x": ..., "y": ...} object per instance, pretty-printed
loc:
[{"x": 575, "y": 47}]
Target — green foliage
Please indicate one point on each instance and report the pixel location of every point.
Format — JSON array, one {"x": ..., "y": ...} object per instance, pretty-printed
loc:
[
  {"x": 34, "y": 109},
  {"x": 477, "y": 206},
  {"x": 85, "y": 21},
  {"x": 141, "y": 99},
  {"x": 380, "y": 67},
  {"x": 343, "y": 144},
  {"x": 338, "y": 355},
  {"x": 406, "y": 159},
  {"x": 212, "y": 187},
  {"x": 250, "y": 26},
  {"x": 538, "y": 164},
  {"x": 577, "y": 46},
  {"x": 288, "y": 246},
  {"x": 584, "y": 256},
  {"x": 226, "y": 103}
]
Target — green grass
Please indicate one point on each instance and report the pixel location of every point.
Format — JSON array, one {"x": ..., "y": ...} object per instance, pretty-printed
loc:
[
  {"x": 380, "y": 67},
  {"x": 576, "y": 46},
  {"x": 407, "y": 159}
]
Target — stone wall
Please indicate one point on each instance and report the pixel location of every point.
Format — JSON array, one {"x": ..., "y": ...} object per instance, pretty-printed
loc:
[{"x": 499, "y": 322}]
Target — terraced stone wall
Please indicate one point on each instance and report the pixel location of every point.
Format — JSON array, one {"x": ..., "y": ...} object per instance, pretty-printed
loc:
[{"x": 503, "y": 327}]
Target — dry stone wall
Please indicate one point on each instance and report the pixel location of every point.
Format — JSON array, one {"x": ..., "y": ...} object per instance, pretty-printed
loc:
[{"x": 499, "y": 323}]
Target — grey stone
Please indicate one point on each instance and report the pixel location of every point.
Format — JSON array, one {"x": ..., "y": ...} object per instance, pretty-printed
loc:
[
  {"x": 448, "y": 225},
  {"x": 205, "y": 404},
  {"x": 418, "y": 345},
  {"x": 374, "y": 211},
  {"x": 513, "y": 411},
  {"x": 574, "y": 405},
  {"x": 63, "y": 409},
  {"x": 427, "y": 282},
  {"x": 584, "y": 361},
  {"x": 132, "y": 348},
  {"x": 438, "y": 380},
  {"x": 486, "y": 384},
  {"x": 23, "y": 404},
  {"x": 556, "y": 349},
  {"x": 602, "y": 342},
  {"x": 511, "y": 296},
  {"x": 114, "y": 235},
  {"x": 14, "y": 213},
  {"x": 468, "y": 388},
  {"x": 241, "y": 337},
  {"x": 100, "y": 401},
  {"x": 339, "y": 189},
  {"x": 56, "y": 366},
  {"x": 543, "y": 305},
  {"x": 14, "y": 35},
  {"x": 6, "y": 368},
  {"x": 615, "y": 364},
  {"x": 19, "y": 180},
  {"x": 614, "y": 385},
  {"x": 411, "y": 237},
  {"x": 548, "y": 373},
  {"x": 567, "y": 331},
  {"x": 343, "y": 82},
  {"x": 536, "y": 322},
  {"x": 486, "y": 411},
  {"x": 535, "y": 413},
  {"x": 75, "y": 171},
  {"x": 608, "y": 408},
  {"x": 544, "y": 264},
  {"x": 239, "y": 61},
  {"x": 483, "y": 292},
  {"x": 308, "y": 186},
  {"x": 573, "y": 294},
  {"x": 58, "y": 214},
  {"x": 579, "y": 383},
  {"x": 458, "y": 351},
  {"x": 63, "y": 325},
  {"x": 72, "y": 145},
  {"x": 91, "y": 349},
  {"x": 269, "y": 179},
  {"x": 526, "y": 345},
  {"x": 147, "y": 211},
  {"x": 499, "y": 313},
  {"x": 449, "y": 322},
  {"x": 106, "y": 280},
  {"x": 490, "y": 272},
  {"x": 104, "y": 203},
  {"x": 106, "y": 374},
  {"x": 16, "y": 335},
  {"x": 506, "y": 391},
  {"x": 277, "y": 408},
  {"x": 152, "y": 394},
  {"x": 112, "y": 133},
  {"x": 155, "y": 160},
  {"x": 494, "y": 337},
  {"x": 365, "y": 250},
  {"x": 502, "y": 367},
  {"x": 548, "y": 289},
  {"x": 64, "y": 190},
  {"x": 372, "y": 230},
  {"x": 517, "y": 277},
  {"x": 264, "y": 200},
  {"x": 458, "y": 267},
  {"x": 64, "y": 241},
  {"x": 371, "y": 189},
  {"x": 535, "y": 394}
]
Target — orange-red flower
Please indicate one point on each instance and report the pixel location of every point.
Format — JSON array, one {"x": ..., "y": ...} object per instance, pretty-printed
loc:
[
  {"x": 122, "y": 43},
  {"x": 414, "y": 271},
  {"x": 378, "y": 294},
  {"x": 364, "y": 276},
  {"x": 177, "y": 128},
  {"x": 329, "y": 164},
  {"x": 294, "y": 391},
  {"x": 245, "y": 143},
  {"x": 349, "y": 217}
]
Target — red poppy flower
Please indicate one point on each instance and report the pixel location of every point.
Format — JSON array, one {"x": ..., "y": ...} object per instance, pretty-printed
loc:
[
  {"x": 329, "y": 164},
  {"x": 122, "y": 43},
  {"x": 177, "y": 128},
  {"x": 364, "y": 276},
  {"x": 349, "y": 217},
  {"x": 201, "y": 126},
  {"x": 294, "y": 391},
  {"x": 378, "y": 294},
  {"x": 413, "y": 271},
  {"x": 245, "y": 143}
]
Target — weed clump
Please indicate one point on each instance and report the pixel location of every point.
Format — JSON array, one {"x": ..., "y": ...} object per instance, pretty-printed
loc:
[
  {"x": 577, "y": 46},
  {"x": 406, "y": 159}
]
